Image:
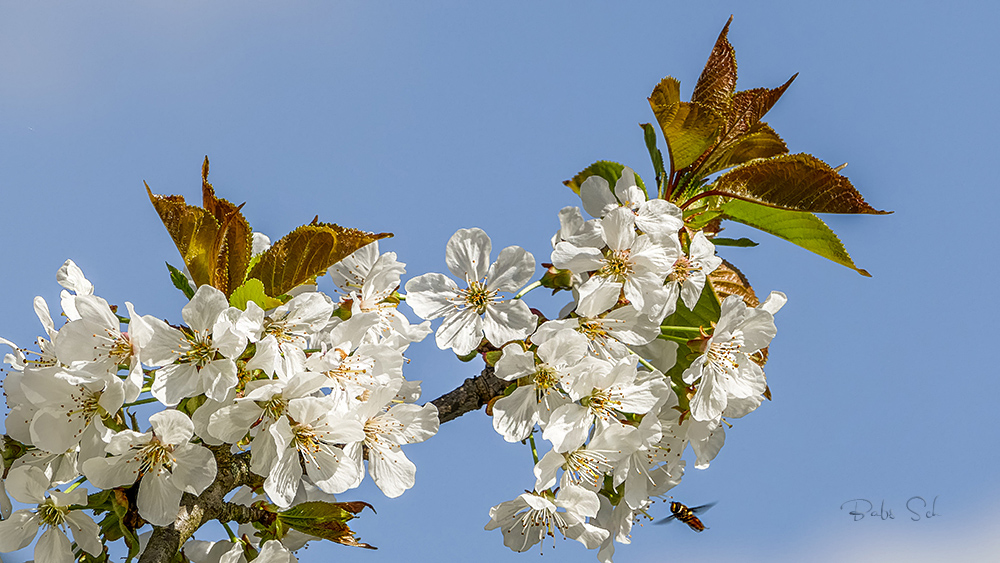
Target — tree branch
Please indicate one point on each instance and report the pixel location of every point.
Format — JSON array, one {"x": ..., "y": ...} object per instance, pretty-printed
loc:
[
  {"x": 471, "y": 395},
  {"x": 233, "y": 471}
]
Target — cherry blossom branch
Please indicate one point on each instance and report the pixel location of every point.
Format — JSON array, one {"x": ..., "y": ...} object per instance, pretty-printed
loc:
[
  {"x": 471, "y": 395},
  {"x": 234, "y": 471}
]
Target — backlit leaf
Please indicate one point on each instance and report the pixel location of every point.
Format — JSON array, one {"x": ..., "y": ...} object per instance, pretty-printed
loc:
[
  {"x": 252, "y": 290},
  {"x": 797, "y": 227},
  {"x": 610, "y": 171},
  {"x": 214, "y": 241},
  {"x": 194, "y": 231},
  {"x": 797, "y": 182},
  {"x": 235, "y": 239},
  {"x": 305, "y": 253},
  {"x": 180, "y": 281},
  {"x": 689, "y": 128},
  {"x": 717, "y": 82},
  {"x": 326, "y": 520},
  {"x": 759, "y": 142},
  {"x": 727, "y": 280},
  {"x": 749, "y": 107}
]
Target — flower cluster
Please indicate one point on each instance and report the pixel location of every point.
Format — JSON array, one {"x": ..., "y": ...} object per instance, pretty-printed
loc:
[
  {"x": 310, "y": 389},
  {"x": 593, "y": 383}
]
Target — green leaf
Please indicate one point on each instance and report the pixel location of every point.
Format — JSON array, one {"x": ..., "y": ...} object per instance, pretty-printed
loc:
[
  {"x": 305, "y": 253},
  {"x": 610, "y": 171},
  {"x": 717, "y": 82},
  {"x": 654, "y": 154},
  {"x": 706, "y": 312},
  {"x": 252, "y": 290},
  {"x": 797, "y": 182},
  {"x": 180, "y": 281},
  {"x": 797, "y": 227},
  {"x": 742, "y": 242}
]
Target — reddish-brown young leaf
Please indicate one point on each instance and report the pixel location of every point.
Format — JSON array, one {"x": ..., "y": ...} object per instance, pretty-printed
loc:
[
  {"x": 194, "y": 231},
  {"x": 234, "y": 242},
  {"x": 748, "y": 107},
  {"x": 798, "y": 182},
  {"x": 759, "y": 142},
  {"x": 717, "y": 82},
  {"x": 728, "y": 280}
]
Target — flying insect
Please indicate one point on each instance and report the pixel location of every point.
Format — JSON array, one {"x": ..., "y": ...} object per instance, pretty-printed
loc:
[{"x": 687, "y": 515}]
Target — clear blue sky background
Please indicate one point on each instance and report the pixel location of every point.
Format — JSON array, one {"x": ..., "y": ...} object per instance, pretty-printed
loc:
[{"x": 422, "y": 118}]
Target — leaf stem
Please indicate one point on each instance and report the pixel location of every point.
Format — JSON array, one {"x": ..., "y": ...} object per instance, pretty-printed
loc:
[
  {"x": 75, "y": 484},
  {"x": 141, "y": 402},
  {"x": 679, "y": 339},
  {"x": 534, "y": 450},
  {"x": 527, "y": 288},
  {"x": 232, "y": 536},
  {"x": 665, "y": 328}
]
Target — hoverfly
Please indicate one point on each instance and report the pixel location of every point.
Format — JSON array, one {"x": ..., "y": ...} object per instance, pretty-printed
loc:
[{"x": 687, "y": 515}]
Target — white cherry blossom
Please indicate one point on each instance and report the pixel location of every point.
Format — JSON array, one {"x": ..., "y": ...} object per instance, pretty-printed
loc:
[
  {"x": 477, "y": 309},
  {"x": 163, "y": 460},
  {"x": 725, "y": 369},
  {"x": 28, "y": 485},
  {"x": 530, "y": 517}
]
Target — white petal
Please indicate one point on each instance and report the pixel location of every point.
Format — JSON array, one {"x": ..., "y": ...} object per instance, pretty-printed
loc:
[
  {"x": 17, "y": 531},
  {"x": 468, "y": 254},
  {"x": 568, "y": 427},
  {"x": 619, "y": 229},
  {"x": 431, "y": 295},
  {"x": 515, "y": 415},
  {"x": 515, "y": 363},
  {"x": 462, "y": 331},
  {"x": 158, "y": 500},
  {"x": 391, "y": 470},
  {"x": 775, "y": 301},
  {"x": 597, "y": 197},
  {"x": 512, "y": 270},
  {"x": 597, "y": 294},
  {"x": 204, "y": 308},
  {"x": 172, "y": 427},
  {"x": 195, "y": 469},
  {"x": 86, "y": 533},
  {"x": 507, "y": 321},
  {"x": 54, "y": 547},
  {"x": 578, "y": 259},
  {"x": 27, "y": 484}
]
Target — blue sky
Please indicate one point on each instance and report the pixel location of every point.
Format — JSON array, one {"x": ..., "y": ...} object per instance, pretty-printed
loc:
[{"x": 423, "y": 118}]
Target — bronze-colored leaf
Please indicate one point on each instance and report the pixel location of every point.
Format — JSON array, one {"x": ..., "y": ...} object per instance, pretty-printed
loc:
[
  {"x": 305, "y": 253},
  {"x": 798, "y": 182},
  {"x": 759, "y": 142},
  {"x": 717, "y": 82},
  {"x": 748, "y": 107},
  {"x": 728, "y": 280},
  {"x": 214, "y": 241},
  {"x": 235, "y": 240},
  {"x": 194, "y": 231}
]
